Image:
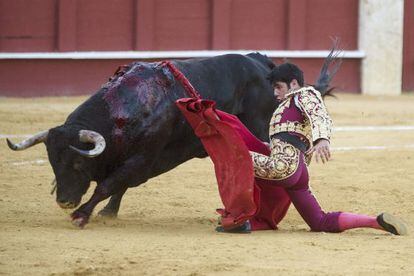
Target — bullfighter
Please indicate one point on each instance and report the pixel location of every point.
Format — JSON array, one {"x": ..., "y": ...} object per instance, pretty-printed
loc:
[{"x": 301, "y": 127}]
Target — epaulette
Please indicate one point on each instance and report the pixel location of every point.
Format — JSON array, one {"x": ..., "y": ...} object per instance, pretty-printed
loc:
[{"x": 303, "y": 89}]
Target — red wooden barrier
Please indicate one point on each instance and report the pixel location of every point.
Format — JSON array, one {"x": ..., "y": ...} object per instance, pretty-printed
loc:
[
  {"x": 27, "y": 26},
  {"x": 123, "y": 25},
  {"x": 119, "y": 25},
  {"x": 408, "y": 54}
]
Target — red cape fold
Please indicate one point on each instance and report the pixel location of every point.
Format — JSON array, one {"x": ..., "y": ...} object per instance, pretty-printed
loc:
[{"x": 228, "y": 141}]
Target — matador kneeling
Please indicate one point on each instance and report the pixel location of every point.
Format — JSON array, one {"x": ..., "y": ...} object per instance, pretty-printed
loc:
[{"x": 301, "y": 127}]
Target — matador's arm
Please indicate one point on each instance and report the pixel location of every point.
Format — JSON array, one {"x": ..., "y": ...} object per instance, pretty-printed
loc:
[{"x": 311, "y": 103}]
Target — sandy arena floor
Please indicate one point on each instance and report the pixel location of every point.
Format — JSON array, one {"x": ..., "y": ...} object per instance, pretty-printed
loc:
[{"x": 166, "y": 226}]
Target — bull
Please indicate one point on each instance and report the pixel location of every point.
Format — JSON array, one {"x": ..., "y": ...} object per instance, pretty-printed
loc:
[{"x": 131, "y": 130}]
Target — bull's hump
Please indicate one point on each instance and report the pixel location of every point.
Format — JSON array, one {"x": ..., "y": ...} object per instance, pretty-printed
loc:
[
  {"x": 136, "y": 86},
  {"x": 132, "y": 94}
]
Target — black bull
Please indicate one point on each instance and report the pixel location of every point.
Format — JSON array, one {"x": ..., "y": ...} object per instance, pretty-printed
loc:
[{"x": 131, "y": 130}]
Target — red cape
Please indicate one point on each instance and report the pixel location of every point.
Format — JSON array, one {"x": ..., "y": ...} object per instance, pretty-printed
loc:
[{"x": 228, "y": 141}]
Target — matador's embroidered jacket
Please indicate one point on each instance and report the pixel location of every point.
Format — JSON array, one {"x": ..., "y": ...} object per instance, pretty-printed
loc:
[{"x": 302, "y": 113}]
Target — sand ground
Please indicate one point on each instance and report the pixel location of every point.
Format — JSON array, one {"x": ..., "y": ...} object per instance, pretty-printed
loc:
[{"x": 166, "y": 226}]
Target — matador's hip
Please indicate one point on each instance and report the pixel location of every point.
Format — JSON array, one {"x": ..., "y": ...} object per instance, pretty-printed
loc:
[{"x": 283, "y": 162}]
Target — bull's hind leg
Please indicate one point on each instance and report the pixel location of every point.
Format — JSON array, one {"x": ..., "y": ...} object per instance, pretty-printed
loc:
[{"x": 111, "y": 209}]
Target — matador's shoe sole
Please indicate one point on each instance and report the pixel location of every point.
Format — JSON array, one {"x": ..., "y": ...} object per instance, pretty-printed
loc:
[{"x": 392, "y": 224}]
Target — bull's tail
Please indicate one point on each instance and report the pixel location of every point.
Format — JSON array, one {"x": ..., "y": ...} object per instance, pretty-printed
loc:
[{"x": 332, "y": 61}]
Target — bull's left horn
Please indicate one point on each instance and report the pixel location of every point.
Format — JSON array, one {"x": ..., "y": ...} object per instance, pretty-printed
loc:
[
  {"x": 35, "y": 139},
  {"x": 89, "y": 136}
]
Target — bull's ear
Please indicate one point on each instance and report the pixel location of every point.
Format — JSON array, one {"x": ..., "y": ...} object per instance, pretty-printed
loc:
[
  {"x": 89, "y": 136},
  {"x": 31, "y": 141}
]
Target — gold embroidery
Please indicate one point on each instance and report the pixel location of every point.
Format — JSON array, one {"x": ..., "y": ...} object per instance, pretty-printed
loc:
[
  {"x": 277, "y": 115},
  {"x": 308, "y": 158},
  {"x": 281, "y": 164},
  {"x": 303, "y": 129},
  {"x": 317, "y": 123},
  {"x": 310, "y": 100}
]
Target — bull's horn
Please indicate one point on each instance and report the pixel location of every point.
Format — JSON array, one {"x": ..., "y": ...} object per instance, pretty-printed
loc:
[
  {"x": 35, "y": 139},
  {"x": 89, "y": 136}
]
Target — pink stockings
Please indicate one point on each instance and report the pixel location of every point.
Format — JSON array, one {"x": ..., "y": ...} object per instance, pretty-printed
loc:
[{"x": 349, "y": 221}]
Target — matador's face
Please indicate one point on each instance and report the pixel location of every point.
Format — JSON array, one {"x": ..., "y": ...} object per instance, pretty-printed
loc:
[{"x": 280, "y": 88}]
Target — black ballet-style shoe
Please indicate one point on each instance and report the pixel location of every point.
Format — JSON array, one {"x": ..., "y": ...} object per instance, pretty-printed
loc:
[
  {"x": 245, "y": 228},
  {"x": 392, "y": 224}
]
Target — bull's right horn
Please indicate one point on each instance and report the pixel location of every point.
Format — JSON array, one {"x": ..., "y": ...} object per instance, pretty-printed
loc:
[
  {"x": 89, "y": 136},
  {"x": 35, "y": 139}
]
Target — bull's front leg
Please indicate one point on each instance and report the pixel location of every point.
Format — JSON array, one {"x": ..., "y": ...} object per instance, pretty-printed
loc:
[
  {"x": 80, "y": 217},
  {"x": 167, "y": 160},
  {"x": 117, "y": 182},
  {"x": 111, "y": 209}
]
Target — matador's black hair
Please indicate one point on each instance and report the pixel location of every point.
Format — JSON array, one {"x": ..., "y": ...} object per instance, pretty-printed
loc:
[{"x": 286, "y": 72}]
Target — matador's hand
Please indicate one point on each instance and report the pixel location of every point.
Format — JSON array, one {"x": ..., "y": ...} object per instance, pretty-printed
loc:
[{"x": 321, "y": 150}]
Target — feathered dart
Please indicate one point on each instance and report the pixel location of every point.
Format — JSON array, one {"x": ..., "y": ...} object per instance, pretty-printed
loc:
[{"x": 332, "y": 61}]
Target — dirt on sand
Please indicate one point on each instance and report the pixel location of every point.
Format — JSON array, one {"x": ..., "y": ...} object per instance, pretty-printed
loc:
[{"x": 166, "y": 226}]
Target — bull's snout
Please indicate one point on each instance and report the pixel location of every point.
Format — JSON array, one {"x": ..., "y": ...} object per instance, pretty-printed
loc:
[{"x": 66, "y": 205}]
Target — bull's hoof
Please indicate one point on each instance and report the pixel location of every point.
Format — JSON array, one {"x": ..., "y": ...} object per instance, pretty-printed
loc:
[
  {"x": 79, "y": 219},
  {"x": 107, "y": 213}
]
